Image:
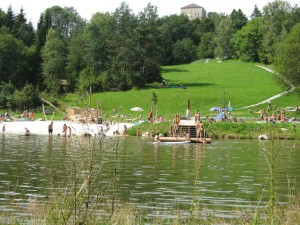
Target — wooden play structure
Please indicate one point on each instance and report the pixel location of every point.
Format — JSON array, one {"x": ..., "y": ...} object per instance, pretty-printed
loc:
[{"x": 84, "y": 115}]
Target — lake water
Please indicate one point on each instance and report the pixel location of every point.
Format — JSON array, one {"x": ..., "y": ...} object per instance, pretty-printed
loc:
[{"x": 219, "y": 177}]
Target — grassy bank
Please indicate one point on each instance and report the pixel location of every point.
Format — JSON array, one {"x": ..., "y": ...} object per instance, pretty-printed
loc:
[
  {"x": 207, "y": 85},
  {"x": 230, "y": 130}
]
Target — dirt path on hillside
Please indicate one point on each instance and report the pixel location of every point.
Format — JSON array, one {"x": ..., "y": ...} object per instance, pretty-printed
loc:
[{"x": 292, "y": 88}]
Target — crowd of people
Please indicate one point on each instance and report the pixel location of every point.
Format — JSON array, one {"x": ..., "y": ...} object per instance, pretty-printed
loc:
[
  {"x": 28, "y": 115},
  {"x": 6, "y": 116},
  {"x": 175, "y": 131},
  {"x": 270, "y": 113}
]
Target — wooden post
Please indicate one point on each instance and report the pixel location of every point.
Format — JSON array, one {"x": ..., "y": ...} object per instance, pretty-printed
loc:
[
  {"x": 90, "y": 101},
  {"x": 90, "y": 97}
]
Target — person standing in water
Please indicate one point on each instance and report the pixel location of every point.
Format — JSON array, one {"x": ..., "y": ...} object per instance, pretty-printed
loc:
[
  {"x": 70, "y": 131},
  {"x": 64, "y": 131},
  {"x": 124, "y": 132},
  {"x": 50, "y": 128}
]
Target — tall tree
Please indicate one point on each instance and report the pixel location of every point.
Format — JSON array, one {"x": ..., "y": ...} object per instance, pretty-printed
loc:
[
  {"x": 125, "y": 59},
  {"x": 65, "y": 20},
  {"x": 77, "y": 54},
  {"x": 288, "y": 57},
  {"x": 238, "y": 20},
  {"x": 216, "y": 17},
  {"x": 202, "y": 27},
  {"x": 13, "y": 60},
  {"x": 2, "y": 18},
  {"x": 54, "y": 62},
  {"x": 224, "y": 32},
  {"x": 275, "y": 17},
  {"x": 43, "y": 26},
  {"x": 62, "y": 20},
  {"x": 174, "y": 28},
  {"x": 184, "y": 51},
  {"x": 149, "y": 39},
  {"x": 206, "y": 47},
  {"x": 248, "y": 41},
  {"x": 23, "y": 30},
  {"x": 256, "y": 13},
  {"x": 10, "y": 17},
  {"x": 97, "y": 47}
]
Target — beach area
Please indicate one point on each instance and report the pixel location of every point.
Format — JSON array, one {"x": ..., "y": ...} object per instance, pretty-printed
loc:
[{"x": 41, "y": 128}]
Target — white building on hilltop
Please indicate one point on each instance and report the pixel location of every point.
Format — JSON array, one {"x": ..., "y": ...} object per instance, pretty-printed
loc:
[{"x": 194, "y": 11}]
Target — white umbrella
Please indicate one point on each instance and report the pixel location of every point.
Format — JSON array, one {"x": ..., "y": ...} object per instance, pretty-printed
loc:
[
  {"x": 215, "y": 109},
  {"x": 137, "y": 109}
]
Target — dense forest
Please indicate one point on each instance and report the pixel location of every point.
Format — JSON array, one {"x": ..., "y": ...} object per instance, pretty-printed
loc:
[{"x": 122, "y": 50}]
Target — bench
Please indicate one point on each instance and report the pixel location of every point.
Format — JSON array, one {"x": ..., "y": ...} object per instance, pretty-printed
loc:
[
  {"x": 113, "y": 89},
  {"x": 48, "y": 112}
]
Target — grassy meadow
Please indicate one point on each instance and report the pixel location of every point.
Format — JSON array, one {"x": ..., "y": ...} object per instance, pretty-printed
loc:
[{"x": 207, "y": 85}]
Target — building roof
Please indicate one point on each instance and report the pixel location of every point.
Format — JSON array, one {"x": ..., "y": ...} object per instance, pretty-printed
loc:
[{"x": 191, "y": 6}]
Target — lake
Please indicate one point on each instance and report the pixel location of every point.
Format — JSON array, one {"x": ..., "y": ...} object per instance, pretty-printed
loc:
[{"x": 219, "y": 177}]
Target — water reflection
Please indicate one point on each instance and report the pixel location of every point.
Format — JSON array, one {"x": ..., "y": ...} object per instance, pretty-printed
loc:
[{"x": 153, "y": 176}]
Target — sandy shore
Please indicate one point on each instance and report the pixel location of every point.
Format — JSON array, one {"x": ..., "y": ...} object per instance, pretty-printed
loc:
[{"x": 41, "y": 127}]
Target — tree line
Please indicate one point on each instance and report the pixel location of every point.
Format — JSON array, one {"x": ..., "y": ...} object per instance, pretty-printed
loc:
[{"x": 122, "y": 50}]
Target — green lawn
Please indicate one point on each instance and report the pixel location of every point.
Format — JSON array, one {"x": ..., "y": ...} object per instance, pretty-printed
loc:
[{"x": 208, "y": 85}]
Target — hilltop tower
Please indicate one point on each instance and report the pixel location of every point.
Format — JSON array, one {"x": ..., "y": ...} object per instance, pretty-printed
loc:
[{"x": 194, "y": 11}]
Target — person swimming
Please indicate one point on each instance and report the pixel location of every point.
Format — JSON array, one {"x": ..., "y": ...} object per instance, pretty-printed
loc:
[{"x": 27, "y": 132}]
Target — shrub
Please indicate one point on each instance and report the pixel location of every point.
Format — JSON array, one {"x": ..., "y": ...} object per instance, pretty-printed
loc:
[{"x": 26, "y": 98}]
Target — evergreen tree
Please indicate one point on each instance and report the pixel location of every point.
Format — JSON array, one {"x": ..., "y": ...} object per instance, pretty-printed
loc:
[
  {"x": 126, "y": 53},
  {"x": 22, "y": 30},
  {"x": 238, "y": 20},
  {"x": 256, "y": 12},
  {"x": 149, "y": 39},
  {"x": 10, "y": 17}
]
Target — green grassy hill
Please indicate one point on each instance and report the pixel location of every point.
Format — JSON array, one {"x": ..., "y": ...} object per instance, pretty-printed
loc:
[{"x": 207, "y": 85}]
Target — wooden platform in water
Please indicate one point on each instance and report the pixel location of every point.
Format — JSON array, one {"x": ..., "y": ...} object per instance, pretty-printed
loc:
[{"x": 182, "y": 139}]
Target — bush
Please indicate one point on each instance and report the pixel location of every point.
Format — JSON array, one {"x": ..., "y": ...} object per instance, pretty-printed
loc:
[
  {"x": 26, "y": 98},
  {"x": 6, "y": 94}
]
